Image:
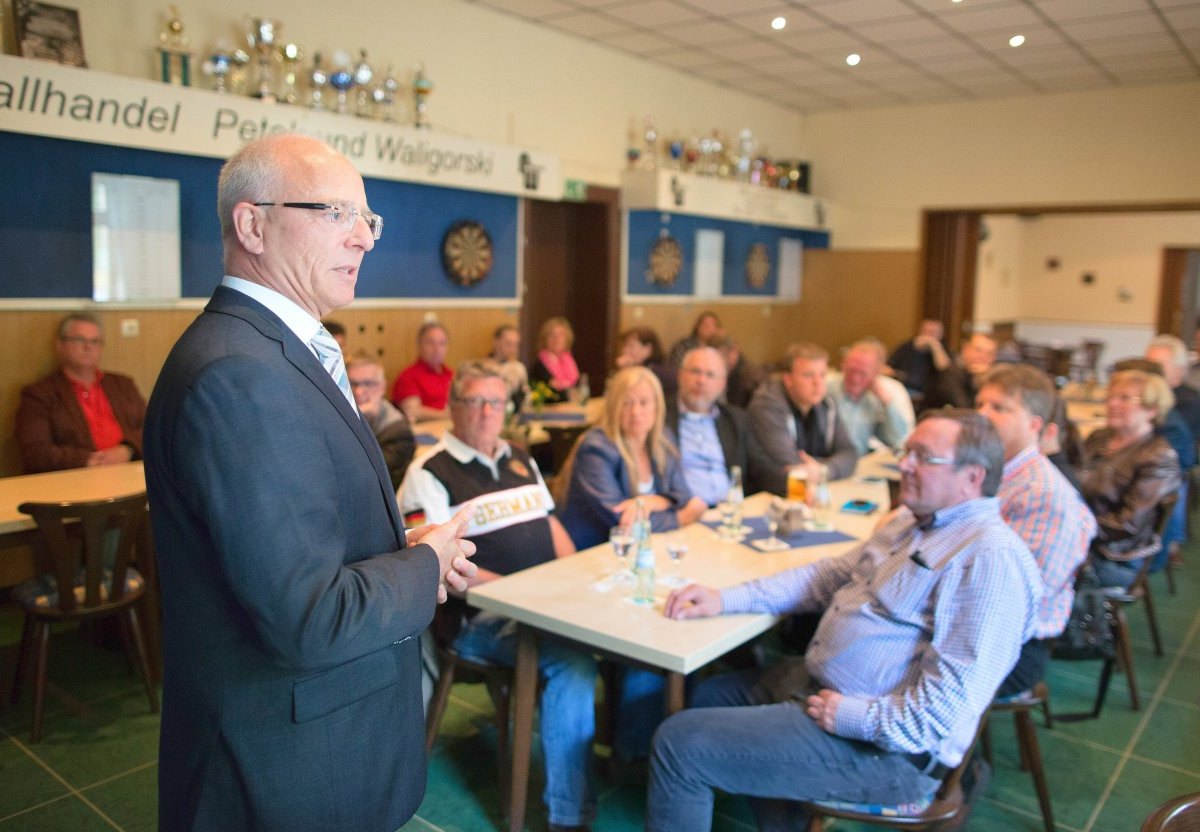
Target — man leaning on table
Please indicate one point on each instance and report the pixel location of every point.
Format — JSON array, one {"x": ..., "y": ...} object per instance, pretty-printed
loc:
[
  {"x": 291, "y": 598},
  {"x": 79, "y": 415},
  {"x": 512, "y": 528},
  {"x": 1040, "y": 505},
  {"x": 921, "y": 623}
]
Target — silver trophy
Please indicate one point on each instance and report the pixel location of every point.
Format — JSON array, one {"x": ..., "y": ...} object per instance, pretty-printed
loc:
[
  {"x": 262, "y": 34},
  {"x": 341, "y": 78},
  {"x": 362, "y": 82},
  {"x": 422, "y": 88},
  {"x": 175, "y": 57},
  {"x": 290, "y": 54},
  {"x": 385, "y": 97},
  {"x": 318, "y": 79},
  {"x": 220, "y": 65}
]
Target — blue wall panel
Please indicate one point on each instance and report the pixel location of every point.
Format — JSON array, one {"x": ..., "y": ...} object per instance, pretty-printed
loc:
[
  {"x": 46, "y": 229},
  {"x": 645, "y": 227}
]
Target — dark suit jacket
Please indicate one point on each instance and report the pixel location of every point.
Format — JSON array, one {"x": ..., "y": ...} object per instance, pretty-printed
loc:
[
  {"x": 952, "y": 387},
  {"x": 291, "y": 679},
  {"x": 738, "y": 443},
  {"x": 52, "y": 431}
]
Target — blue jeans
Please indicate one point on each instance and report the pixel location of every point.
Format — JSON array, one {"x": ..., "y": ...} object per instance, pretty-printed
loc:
[
  {"x": 1117, "y": 573},
  {"x": 1176, "y": 530},
  {"x": 736, "y": 739},
  {"x": 568, "y": 711}
]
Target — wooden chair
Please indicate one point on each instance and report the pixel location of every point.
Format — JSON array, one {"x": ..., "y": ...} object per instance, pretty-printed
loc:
[
  {"x": 1022, "y": 707},
  {"x": 452, "y": 667},
  {"x": 1182, "y": 814},
  {"x": 76, "y": 537},
  {"x": 947, "y": 807}
]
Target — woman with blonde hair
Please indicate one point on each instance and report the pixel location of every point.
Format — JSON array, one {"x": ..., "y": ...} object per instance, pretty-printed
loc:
[
  {"x": 1127, "y": 470},
  {"x": 555, "y": 365},
  {"x": 626, "y": 457}
]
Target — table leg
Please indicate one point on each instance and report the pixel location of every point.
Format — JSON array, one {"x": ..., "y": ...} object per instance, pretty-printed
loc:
[
  {"x": 674, "y": 693},
  {"x": 524, "y": 693},
  {"x": 151, "y": 614}
]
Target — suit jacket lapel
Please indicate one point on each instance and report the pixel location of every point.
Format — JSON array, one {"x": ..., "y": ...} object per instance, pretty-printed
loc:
[{"x": 231, "y": 302}]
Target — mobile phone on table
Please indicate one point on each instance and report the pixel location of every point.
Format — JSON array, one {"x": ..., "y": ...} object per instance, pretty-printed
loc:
[{"x": 859, "y": 506}]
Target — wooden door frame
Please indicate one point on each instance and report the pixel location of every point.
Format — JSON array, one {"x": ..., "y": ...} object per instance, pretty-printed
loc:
[{"x": 947, "y": 286}]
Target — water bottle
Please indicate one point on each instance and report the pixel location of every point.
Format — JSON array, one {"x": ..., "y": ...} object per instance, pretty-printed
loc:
[
  {"x": 735, "y": 496},
  {"x": 585, "y": 391},
  {"x": 643, "y": 569}
]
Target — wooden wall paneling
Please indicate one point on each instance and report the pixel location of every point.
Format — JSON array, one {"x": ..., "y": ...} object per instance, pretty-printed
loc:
[
  {"x": 1173, "y": 294},
  {"x": 950, "y": 245}
]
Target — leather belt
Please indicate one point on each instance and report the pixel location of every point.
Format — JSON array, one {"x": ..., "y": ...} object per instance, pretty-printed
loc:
[{"x": 928, "y": 765}]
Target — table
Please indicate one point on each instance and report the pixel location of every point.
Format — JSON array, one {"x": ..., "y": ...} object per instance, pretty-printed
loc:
[
  {"x": 1087, "y": 416},
  {"x": 76, "y": 485},
  {"x": 558, "y": 597}
]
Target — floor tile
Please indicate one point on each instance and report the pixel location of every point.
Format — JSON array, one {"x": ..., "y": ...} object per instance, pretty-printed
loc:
[
  {"x": 1185, "y": 684},
  {"x": 25, "y": 782},
  {"x": 1142, "y": 787},
  {"x": 68, "y": 813},
  {"x": 1073, "y": 688},
  {"x": 1172, "y": 737},
  {"x": 131, "y": 799}
]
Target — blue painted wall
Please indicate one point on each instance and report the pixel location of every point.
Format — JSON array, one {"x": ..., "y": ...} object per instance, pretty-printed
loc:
[
  {"x": 46, "y": 227},
  {"x": 645, "y": 227}
]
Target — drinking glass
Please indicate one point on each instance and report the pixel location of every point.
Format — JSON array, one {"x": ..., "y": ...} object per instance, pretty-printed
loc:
[
  {"x": 621, "y": 538},
  {"x": 677, "y": 549},
  {"x": 774, "y": 517},
  {"x": 822, "y": 509},
  {"x": 728, "y": 510}
]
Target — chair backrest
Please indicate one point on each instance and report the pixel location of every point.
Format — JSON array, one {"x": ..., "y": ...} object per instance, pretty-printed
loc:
[
  {"x": 76, "y": 538},
  {"x": 1162, "y": 516},
  {"x": 1179, "y": 815}
]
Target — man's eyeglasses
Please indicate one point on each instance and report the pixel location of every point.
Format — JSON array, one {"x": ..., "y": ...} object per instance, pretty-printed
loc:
[
  {"x": 1123, "y": 398},
  {"x": 342, "y": 215},
  {"x": 477, "y": 403},
  {"x": 80, "y": 341},
  {"x": 922, "y": 457}
]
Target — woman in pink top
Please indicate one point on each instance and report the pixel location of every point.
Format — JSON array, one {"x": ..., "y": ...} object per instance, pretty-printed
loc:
[{"x": 555, "y": 365}]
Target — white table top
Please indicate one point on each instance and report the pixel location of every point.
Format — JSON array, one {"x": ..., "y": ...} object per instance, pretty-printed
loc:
[
  {"x": 78, "y": 484},
  {"x": 559, "y": 597}
]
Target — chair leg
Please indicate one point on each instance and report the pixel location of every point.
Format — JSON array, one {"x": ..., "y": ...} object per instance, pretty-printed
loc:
[
  {"x": 130, "y": 659},
  {"x": 1125, "y": 651},
  {"x": 1148, "y": 600},
  {"x": 42, "y": 641},
  {"x": 143, "y": 661},
  {"x": 1169, "y": 569},
  {"x": 23, "y": 659},
  {"x": 1102, "y": 691},
  {"x": 437, "y": 703},
  {"x": 1032, "y": 754},
  {"x": 501, "y": 693},
  {"x": 815, "y": 824}
]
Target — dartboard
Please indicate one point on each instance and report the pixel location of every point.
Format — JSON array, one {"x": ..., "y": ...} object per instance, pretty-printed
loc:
[
  {"x": 467, "y": 253},
  {"x": 666, "y": 261},
  {"x": 758, "y": 265}
]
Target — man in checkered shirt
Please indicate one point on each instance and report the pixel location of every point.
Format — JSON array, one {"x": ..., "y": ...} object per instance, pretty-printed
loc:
[{"x": 921, "y": 623}]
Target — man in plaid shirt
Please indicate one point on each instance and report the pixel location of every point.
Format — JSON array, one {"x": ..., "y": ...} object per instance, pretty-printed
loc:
[
  {"x": 1040, "y": 505},
  {"x": 921, "y": 623}
]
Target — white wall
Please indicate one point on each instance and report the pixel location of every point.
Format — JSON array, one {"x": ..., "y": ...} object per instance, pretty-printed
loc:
[
  {"x": 882, "y": 167},
  {"x": 496, "y": 77},
  {"x": 997, "y": 287}
]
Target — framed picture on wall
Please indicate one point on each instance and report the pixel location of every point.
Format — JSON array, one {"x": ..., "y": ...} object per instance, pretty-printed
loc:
[{"x": 51, "y": 33}]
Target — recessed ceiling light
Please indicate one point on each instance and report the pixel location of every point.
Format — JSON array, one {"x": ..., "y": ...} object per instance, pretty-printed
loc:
[
  {"x": 1016, "y": 40},
  {"x": 778, "y": 23},
  {"x": 853, "y": 58},
  {"x": 955, "y": 1}
]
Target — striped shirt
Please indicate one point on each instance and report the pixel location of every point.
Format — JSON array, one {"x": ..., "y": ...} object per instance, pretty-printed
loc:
[
  {"x": 1042, "y": 506},
  {"x": 921, "y": 623}
]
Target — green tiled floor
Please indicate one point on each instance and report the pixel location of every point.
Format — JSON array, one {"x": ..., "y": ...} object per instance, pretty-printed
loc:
[{"x": 96, "y": 766}]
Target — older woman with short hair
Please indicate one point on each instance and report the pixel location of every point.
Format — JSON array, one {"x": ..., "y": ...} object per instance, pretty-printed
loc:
[
  {"x": 555, "y": 365},
  {"x": 1127, "y": 470}
]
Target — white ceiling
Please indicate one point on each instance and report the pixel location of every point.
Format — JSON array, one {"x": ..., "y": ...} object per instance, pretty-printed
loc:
[{"x": 912, "y": 50}]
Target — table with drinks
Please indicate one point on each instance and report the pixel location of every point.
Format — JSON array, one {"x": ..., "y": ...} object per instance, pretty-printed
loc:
[{"x": 609, "y": 598}]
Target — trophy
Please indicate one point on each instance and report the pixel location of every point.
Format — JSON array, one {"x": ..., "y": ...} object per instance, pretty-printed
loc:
[
  {"x": 290, "y": 54},
  {"x": 745, "y": 158},
  {"x": 261, "y": 32},
  {"x": 318, "y": 79},
  {"x": 385, "y": 97},
  {"x": 421, "y": 87},
  {"x": 649, "y": 158},
  {"x": 341, "y": 79},
  {"x": 175, "y": 60},
  {"x": 219, "y": 65},
  {"x": 362, "y": 82}
]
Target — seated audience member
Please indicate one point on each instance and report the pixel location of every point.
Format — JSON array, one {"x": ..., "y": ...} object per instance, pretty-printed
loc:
[
  {"x": 1062, "y": 444},
  {"x": 626, "y": 457},
  {"x": 1127, "y": 470},
  {"x": 918, "y": 359},
  {"x": 513, "y": 528},
  {"x": 920, "y": 624},
  {"x": 873, "y": 405},
  {"x": 639, "y": 347},
  {"x": 1170, "y": 353},
  {"x": 744, "y": 376},
  {"x": 704, "y": 330},
  {"x": 797, "y": 423},
  {"x": 957, "y": 385},
  {"x": 711, "y": 436},
  {"x": 337, "y": 331},
  {"x": 555, "y": 365},
  {"x": 423, "y": 388},
  {"x": 1039, "y": 504},
  {"x": 1193, "y": 375},
  {"x": 506, "y": 350},
  {"x": 392, "y": 430},
  {"x": 79, "y": 415}
]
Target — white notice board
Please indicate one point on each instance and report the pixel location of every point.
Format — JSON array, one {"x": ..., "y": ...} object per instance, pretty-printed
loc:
[
  {"x": 135, "y": 238},
  {"x": 791, "y": 269}
]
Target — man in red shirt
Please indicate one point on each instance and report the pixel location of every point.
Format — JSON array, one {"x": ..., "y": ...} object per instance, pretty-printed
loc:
[
  {"x": 79, "y": 415},
  {"x": 422, "y": 390}
]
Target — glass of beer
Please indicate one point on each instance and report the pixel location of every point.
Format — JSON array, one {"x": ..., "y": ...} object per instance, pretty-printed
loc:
[{"x": 797, "y": 485}]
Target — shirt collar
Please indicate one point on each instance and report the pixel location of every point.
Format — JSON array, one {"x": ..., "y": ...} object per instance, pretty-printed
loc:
[
  {"x": 464, "y": 453},
  {"x": 78, "y": 385},
  {"x": 713, "y": 413},
  {"x": 1023, "y": 457},
  {"x": 294, "y": 317},
  {"x": 960, "y": 511}
]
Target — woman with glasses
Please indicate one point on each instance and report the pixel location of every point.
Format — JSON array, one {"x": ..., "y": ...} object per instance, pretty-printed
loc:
[
  {"x": 626, "y": 457},
  {"x": 1127, "y": 470}
]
